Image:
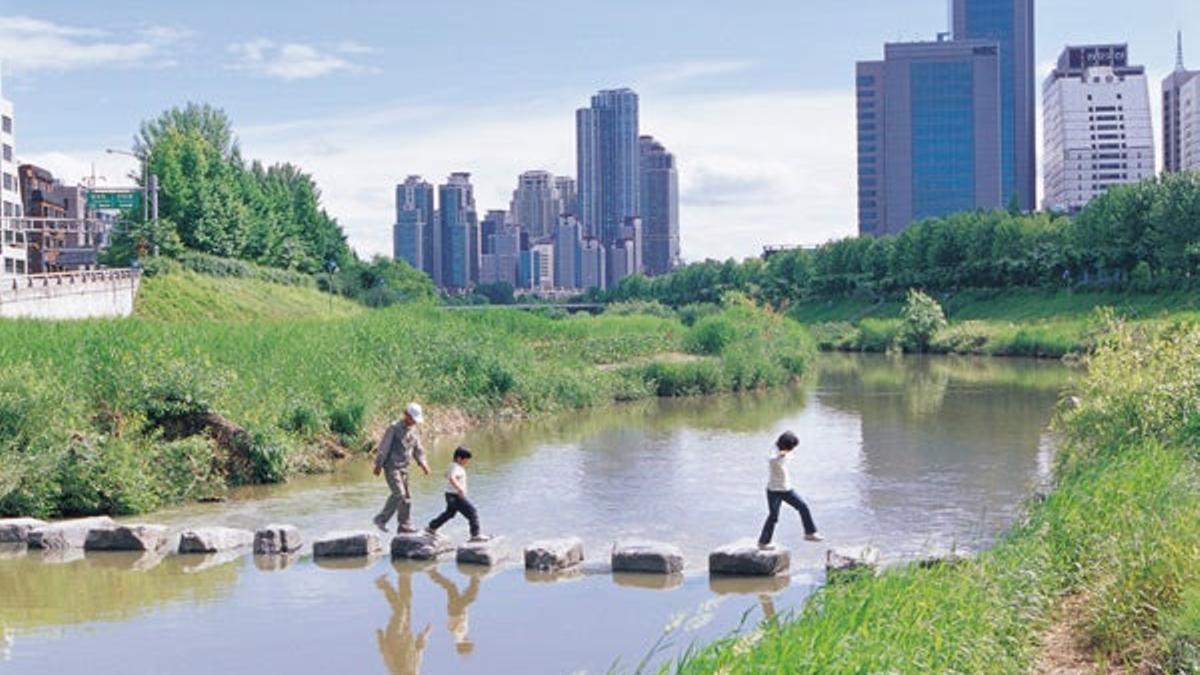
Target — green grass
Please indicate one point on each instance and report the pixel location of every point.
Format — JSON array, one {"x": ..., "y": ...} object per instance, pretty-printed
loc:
[
  {"x": 1024, "y": 322},
  {"x": 183, "y": 295},
  {"x": 125, "y": 396},
  {"x": 1120, "y": 533}
]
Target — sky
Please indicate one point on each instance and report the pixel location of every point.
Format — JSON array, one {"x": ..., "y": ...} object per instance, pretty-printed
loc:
[{"x": 755, "y": 99}]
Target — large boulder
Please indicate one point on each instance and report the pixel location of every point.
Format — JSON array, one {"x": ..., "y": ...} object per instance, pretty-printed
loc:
[
  {"x": 419, "y": 546},
  {"x": 744, "y": 558},
  {"x": 647, "y": 556},
  {"x": 277, "y": 539},
  {"x": 16, "y": 530},
  {"x": 489, "y": 553},
  {"x": 214, "y": 540},
  {"x": 848, "y": 564},
  {"x": 355, "y": 544},
  {"x": 66, "y": 533},
  {"x": 554, "y": 554},
  {"x": 127, "y": 538}
]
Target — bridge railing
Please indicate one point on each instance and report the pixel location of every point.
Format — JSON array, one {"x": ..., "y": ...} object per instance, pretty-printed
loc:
[{"x": 70, "y": 278}]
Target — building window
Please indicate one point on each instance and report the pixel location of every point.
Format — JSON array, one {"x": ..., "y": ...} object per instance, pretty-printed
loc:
[
  {"x": 20, "y": 267},
  {"x": 8, "y": 266},
  {"x": 8, "y": 153}
]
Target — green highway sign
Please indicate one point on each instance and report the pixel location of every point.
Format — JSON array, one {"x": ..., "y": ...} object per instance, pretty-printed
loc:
[{"x": 124, "y": 200}]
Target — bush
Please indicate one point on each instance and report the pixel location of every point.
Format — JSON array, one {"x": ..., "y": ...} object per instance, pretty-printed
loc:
[
  {"x": 923, "y": 317},
  {"x": 268, "y": 454},
  {"x": 711, "y": 335}
]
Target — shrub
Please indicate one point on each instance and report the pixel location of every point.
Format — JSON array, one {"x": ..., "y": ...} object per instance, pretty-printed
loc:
[
  {"x": 922, "y": 318},
  {"x": 711, "y": 335}
]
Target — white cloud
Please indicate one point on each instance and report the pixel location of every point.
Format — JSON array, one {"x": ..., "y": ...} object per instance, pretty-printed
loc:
[
  {"x": 33, "y": 44},
  {"x": 293, "y": 61},
  {"x": 755, "y": 169},
  {"x": 352, "y": 47},
  {"x": 666, "y": 74}
]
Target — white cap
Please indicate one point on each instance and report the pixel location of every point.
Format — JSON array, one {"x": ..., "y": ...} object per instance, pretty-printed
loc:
[{"x": 414, "y": 411}]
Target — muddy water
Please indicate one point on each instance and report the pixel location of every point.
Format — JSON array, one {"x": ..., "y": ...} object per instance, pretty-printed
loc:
[{"x": 912, "y": 455}]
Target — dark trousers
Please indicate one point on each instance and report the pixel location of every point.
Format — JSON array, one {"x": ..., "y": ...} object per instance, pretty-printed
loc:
[
  {"x": 456, "y": 505},
  {"x": 774, "y": 499}
]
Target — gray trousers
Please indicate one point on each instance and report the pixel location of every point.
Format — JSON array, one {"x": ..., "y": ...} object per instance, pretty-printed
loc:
[{"x": 399, "y": 501}]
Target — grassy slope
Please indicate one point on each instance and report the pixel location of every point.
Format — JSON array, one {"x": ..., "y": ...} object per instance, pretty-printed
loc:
[
  {"x": 186, "y": 296},
  {"x": 1021, "y": 322},
  {"x": 1119, "y": 535}
]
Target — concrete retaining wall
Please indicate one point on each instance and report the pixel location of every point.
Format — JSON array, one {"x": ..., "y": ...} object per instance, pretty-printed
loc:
[{"x": 70, "y": 295}]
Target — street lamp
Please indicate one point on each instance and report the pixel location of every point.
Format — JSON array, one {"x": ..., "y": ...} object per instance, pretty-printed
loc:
[{"x": 145, "y": 179}]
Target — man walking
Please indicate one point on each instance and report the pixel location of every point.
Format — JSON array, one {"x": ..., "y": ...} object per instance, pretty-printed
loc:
[{"x": 400, "y": 445}]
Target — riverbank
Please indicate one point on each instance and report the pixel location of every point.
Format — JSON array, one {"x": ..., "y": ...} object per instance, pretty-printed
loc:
[
  {"x": 1107, "y": 559},
  {"x": 128, "y": 416},
  {"x": 1021, "y": 322}
]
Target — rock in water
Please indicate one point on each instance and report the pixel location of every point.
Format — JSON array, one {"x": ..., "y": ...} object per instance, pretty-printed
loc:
[
  {"x": 16, "y": 530},
  {"x": 490, "y": 553},
  {"x": 419, "y": 546},
  {"x": 214, "y": 539},
  {"x": 275, "y": 539},
  {"x": 647, "y": 556},
  {"x": 66, "y": 533},
  {"x": 127, "y": 538},
  {"x": 849, "y": 564},
  {"x": 554, "y": 554},
  {"x": 347, "y": 545},
  {"x": 743, "y": 558}
]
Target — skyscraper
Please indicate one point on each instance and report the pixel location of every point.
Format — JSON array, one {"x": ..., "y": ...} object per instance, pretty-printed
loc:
[
  {"x": 1098, "y": 125},
  {"x": 537, "y": 204},
  {"x": 568, "y": 194},
  {"x": 659, "y": 208},
  {"x": 12, "y": 250},
  {"x": 1009, "y": 24},
  {"x": 928, "y": 133},
  {"x": 593, "y": 265},
  {"x": 568, "y": 237},
  {"x": 493, "y": 223},
  {"x": 458, "y": 224},
  {"x": 608, "y": 162},
  {"x": 415, "y": 236},
  {"x": 1181, "y": 121}
]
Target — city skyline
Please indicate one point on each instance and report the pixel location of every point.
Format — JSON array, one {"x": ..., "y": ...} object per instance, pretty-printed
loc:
[{"x": 733, "y": 111}]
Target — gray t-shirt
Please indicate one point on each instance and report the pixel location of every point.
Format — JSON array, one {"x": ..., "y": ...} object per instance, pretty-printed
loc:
[{"x": 400, "y": 445}]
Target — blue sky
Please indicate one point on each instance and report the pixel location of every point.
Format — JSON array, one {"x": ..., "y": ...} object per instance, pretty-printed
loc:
[{"x": 755, "y": 98}]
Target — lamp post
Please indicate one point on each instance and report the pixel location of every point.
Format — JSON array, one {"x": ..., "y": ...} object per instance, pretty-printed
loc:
[{"x": 145, "y": 179}]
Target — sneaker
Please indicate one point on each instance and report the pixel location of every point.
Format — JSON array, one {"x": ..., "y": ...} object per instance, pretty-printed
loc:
[
  {"x": 480, "y": 538},
  {"x": 432, "y": 534},
  {"x": 382, "y": 525},
  {"x": 766, "y": 547},
  {"x": 815, "y": 536},
  {"x": 406, "y": 529}
]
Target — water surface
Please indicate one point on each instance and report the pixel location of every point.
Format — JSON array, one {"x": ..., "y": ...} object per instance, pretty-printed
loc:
[{"x": 912, "y": 455}]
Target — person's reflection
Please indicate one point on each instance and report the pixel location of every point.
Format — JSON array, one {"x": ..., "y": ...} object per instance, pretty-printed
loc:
[
  {"x": 767, "y": 602},
  {"x": 456, "y": 609},
  {"x": 401, "y": 649}
]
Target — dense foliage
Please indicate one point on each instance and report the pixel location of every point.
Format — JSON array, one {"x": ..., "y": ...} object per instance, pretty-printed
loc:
[
  {"x": 1145, "y": 235},
  {"x": 1110, "y": 551}
]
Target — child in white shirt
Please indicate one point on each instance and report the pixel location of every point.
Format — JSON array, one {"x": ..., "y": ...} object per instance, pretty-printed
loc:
[
  {"x": 779, "y": 491},
  {"x": 456, "y": 497}
]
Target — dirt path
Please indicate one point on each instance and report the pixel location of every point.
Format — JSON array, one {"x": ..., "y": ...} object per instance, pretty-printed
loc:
[{"x": 1063, "y": 649}]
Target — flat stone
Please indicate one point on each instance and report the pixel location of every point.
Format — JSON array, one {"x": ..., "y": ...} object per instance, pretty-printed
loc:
[
  {"x": 846, "y": 564},
  {"x": 16, "y": 530},
  {"x": 354, "y": 544},
  {"x": 488, "y": 553},
  {"x": 743, "y": 558},
  {"x": 66, "y": 533},
  {"x": 127, "y": 538},
  {"x": 419, "y": 546},
  {"x": 214, "y": 539},
  {"x": 277, "y": 539},
  {"x": 554, "y": 554},
  {"x": 650, "y": 557}
]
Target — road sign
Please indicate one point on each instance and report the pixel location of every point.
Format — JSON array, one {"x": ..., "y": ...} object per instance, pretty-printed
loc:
[{"x": 122, "y": 200}]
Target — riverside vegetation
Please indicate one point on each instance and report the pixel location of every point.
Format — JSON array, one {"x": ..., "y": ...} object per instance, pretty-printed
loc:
[
  {"x": 127, "y": 416},
  {"x": 1108, "y": 556}
]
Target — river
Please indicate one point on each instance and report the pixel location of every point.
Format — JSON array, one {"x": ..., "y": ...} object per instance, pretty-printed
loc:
[{"x": 912, "y": 455}]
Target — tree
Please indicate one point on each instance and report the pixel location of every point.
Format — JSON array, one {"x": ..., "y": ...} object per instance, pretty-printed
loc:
[
  {"x": 498, "y": 293},
  {"x": 923, "y": 317}
]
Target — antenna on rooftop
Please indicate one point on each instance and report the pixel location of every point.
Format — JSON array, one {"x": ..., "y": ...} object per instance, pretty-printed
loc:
[{"x": 1179, "y": 50}]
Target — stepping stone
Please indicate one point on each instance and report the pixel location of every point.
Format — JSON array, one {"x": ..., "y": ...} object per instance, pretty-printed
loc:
[
  {"x": 16, "y": 530},
  {"x": 66, "y": 533},
  {"x": 489, "y": 553},
  {"x": 354, "y": 544},
  {"x": 554, "y": 554},
  {"x": 743, "y": 558},
  {"x": 275, "y": 539},
  {"x": 849, "y": 564},
  {"x": 419, "y": 546},
  {"x": 127, "y": 538},
  {"x": 214, "y": 540},
  {"x": 647, "y": 556}
]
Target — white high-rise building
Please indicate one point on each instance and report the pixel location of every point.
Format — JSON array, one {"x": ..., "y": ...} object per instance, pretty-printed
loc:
[
  {"x": 537, "y": 203},
  {"x": 13, "y": 248},
  {"x": 1097, "y": 124},
  {"x": 1189, "y": 125}
]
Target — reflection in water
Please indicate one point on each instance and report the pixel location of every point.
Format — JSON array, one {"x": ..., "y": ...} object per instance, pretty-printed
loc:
[
  {"x": 400, "y": 648},
  {"x": 456, "y": 608},
  {"x": 655, "y": 582}
]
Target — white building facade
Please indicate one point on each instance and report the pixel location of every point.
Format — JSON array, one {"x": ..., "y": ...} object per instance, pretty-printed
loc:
[
  {"x": 1098, "y": 126},
  {"x": 1189, "y": 125},
  {"x": 12, "y": 250}
]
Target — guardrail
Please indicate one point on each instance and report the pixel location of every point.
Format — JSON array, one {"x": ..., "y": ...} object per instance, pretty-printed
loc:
[{"x": 71, "y": 278}]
